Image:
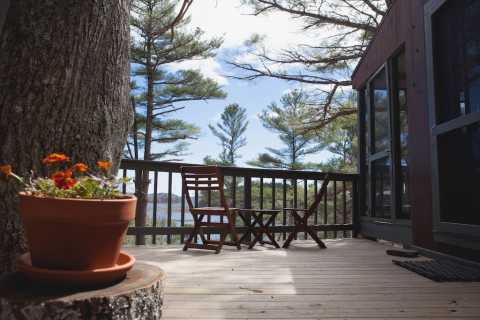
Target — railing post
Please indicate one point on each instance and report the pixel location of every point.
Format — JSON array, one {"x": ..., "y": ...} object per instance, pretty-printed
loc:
[
  {"x": 247, "y": 193},
  {"x": 355, "y": 209},
  {"x": 247, "y": 198}
]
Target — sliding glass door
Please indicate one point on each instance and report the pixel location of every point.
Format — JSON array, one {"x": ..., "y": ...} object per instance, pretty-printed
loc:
[
  {"x": 380, "y": 156},
  {"x": 453, "y": 46},
  {"x": 387, "y": 143}
]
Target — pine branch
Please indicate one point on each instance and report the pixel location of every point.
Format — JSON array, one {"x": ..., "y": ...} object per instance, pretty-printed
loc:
[
  {"x": 256, "y": 73},
  {"x": 318, "y": 17}
]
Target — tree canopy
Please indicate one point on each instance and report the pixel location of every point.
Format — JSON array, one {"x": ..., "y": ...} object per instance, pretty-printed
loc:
[
  {"x": 287, "y": 120},
  {"x": 345, "y": 28}
]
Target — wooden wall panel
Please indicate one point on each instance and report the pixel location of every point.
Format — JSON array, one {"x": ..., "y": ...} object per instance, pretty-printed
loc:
[
  {"x": 419, "y": 137},
  {"x": 404, "y": 26}
]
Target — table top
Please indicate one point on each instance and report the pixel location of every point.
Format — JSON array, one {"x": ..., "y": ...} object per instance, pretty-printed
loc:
[{"x": 260, "y": 210}]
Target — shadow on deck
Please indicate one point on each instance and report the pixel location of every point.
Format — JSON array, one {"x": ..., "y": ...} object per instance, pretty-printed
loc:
[{"x": 353, "y": 278}]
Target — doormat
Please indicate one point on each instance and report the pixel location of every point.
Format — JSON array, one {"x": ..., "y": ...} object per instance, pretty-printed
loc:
[{"x": 441, "y": 271}]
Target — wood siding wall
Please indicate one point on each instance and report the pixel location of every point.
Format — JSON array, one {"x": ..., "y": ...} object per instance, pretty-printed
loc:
[{"x": 404, "y": 26}]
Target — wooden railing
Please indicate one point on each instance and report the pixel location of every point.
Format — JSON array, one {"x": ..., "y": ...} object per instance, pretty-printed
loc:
[{"x": 169, "y": 221}]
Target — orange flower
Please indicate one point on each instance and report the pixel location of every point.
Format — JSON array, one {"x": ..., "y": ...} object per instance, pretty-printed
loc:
[
  {"x": 80, "y": 167},
  {"x": 6, "y": 170},
  {"x": 58, "y": 177},
  {"x": 63, "y": 179},
  {"x": 68, "y": 173},
  {"x": 104, "y": 165},
  {"x": 68, "y": 183},
  {"x": 55, "y": 158}
]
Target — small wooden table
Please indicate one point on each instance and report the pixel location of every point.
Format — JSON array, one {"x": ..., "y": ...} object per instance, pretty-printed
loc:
[{"x": 254, "y": 219}]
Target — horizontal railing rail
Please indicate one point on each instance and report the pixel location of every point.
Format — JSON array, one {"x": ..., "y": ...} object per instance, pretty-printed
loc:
[{"x": 168, "y": 219}]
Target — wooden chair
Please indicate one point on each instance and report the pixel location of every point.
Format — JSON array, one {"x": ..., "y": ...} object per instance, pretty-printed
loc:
[
  {"x": 301, "y": 222},
  {"x": 208, "y": 179}
]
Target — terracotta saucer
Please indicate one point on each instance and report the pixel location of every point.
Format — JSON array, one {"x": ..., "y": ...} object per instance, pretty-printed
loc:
[{"x": 87, "y": 278}]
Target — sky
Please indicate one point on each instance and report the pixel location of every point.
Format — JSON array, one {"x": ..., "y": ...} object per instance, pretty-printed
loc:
[{"x": 227, "y": 19}]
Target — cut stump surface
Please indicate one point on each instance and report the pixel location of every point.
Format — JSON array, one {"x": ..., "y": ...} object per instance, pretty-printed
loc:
[{"x": 138, "y": 296}]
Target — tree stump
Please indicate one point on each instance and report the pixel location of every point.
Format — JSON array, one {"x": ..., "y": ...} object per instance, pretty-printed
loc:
[{"x": 138, "y": 296}]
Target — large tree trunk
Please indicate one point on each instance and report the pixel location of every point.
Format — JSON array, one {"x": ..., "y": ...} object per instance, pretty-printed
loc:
[{"x": 64, "y": 87}]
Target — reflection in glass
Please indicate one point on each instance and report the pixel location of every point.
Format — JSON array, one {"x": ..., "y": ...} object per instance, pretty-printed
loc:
[
  {"x": 381, "y": 188},
  {"x": 472, "y": 54},
  {"x": 364, "y": 120},
  {"x": 380, "y": 110},
  {"x": 459, "y": 175},
  {"x": 457, "y": 59},
  {"x": 401, "y": 110}
]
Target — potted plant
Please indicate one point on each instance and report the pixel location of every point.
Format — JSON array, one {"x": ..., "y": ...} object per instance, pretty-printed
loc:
[{"x": 74, "y": 218}]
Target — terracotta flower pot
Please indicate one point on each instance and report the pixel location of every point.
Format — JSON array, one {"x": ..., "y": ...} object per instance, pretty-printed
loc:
[{"x": 75, "y": 234}]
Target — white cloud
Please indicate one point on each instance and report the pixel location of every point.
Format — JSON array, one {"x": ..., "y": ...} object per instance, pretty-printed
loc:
[
  {"x": 216, "y": 117},
  {"x": 227, "y": 18},
  {"x": 232, "y": 21},
  {"x": 209, "y": 67}
]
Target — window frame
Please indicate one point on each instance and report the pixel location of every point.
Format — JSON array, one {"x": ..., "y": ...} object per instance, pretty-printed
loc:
[
  {"x": 393, "y": 153},
  {"x": 443, "y": 231}
]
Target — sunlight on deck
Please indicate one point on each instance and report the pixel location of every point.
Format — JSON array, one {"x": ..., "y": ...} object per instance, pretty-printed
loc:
[{"x": 351, "y": 279}]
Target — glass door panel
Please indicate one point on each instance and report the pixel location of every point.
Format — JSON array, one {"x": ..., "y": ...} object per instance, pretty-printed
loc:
[
  {"x": 456, "y": 43},
  {"x": 382, "y": 188},
  {"x": 380, "y": 178},
  {"x": 459, "y": 175},
  {"x": 456, "y": 58},
  {"x": 381, "y": 126},
  {"x": 400, "y": 110}
]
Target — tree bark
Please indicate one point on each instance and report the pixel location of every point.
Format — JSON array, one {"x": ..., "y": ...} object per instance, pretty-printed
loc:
[{"x": 64, "y": 87}]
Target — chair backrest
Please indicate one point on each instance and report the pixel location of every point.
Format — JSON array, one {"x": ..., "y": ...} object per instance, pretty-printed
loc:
[
  {"x": 203, "y": 178},
  {"x": 319, "y": 195}
]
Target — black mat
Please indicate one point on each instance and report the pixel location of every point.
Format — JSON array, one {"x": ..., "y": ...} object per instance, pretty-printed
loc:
[
  {"x": 442, "y": 270},
  {"x": 402, "y": 253}
]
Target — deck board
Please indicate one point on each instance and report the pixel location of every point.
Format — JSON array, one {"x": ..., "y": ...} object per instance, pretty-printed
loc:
[{"x": 352, "y": 279}]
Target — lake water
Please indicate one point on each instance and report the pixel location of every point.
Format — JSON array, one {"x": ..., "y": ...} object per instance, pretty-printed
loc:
[{"x": 162, "y": 214}]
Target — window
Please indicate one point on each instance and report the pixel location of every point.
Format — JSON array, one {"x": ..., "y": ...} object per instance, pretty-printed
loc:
[
  {"x": 454, "y": 54},
  {"x": 382, "y": 188},
  {"x": 380, "y": 112},
  {"x": 400, "y": 117},
  {"x": 456, "y": 45},
  {"x": 459, "y": 168}
]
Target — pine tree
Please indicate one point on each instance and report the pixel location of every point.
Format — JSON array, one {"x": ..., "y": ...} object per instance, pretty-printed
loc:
[
  {"x": 153, "y": 47},
  {"x": 287, "y": 121},
  {"x": 340, "y": 139},
  {"x": 230, "y": 131}
]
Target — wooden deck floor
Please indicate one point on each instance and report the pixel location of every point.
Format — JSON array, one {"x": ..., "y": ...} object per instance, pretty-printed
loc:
[{"x": 352, "y": 279}]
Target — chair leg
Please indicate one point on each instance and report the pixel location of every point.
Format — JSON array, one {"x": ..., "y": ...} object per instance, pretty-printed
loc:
[
  {"x": 289, "y": 239},
  {"x": 272, "y": 239},
  {"x": 233, "y": 232},
  {"x": 223, "y": 235},
  {"x": 192, "y": 235},
  {"x": 257, "y": 238},
  {"x": 202, "y": 235},
  {"x": 314, "y": 236}
]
